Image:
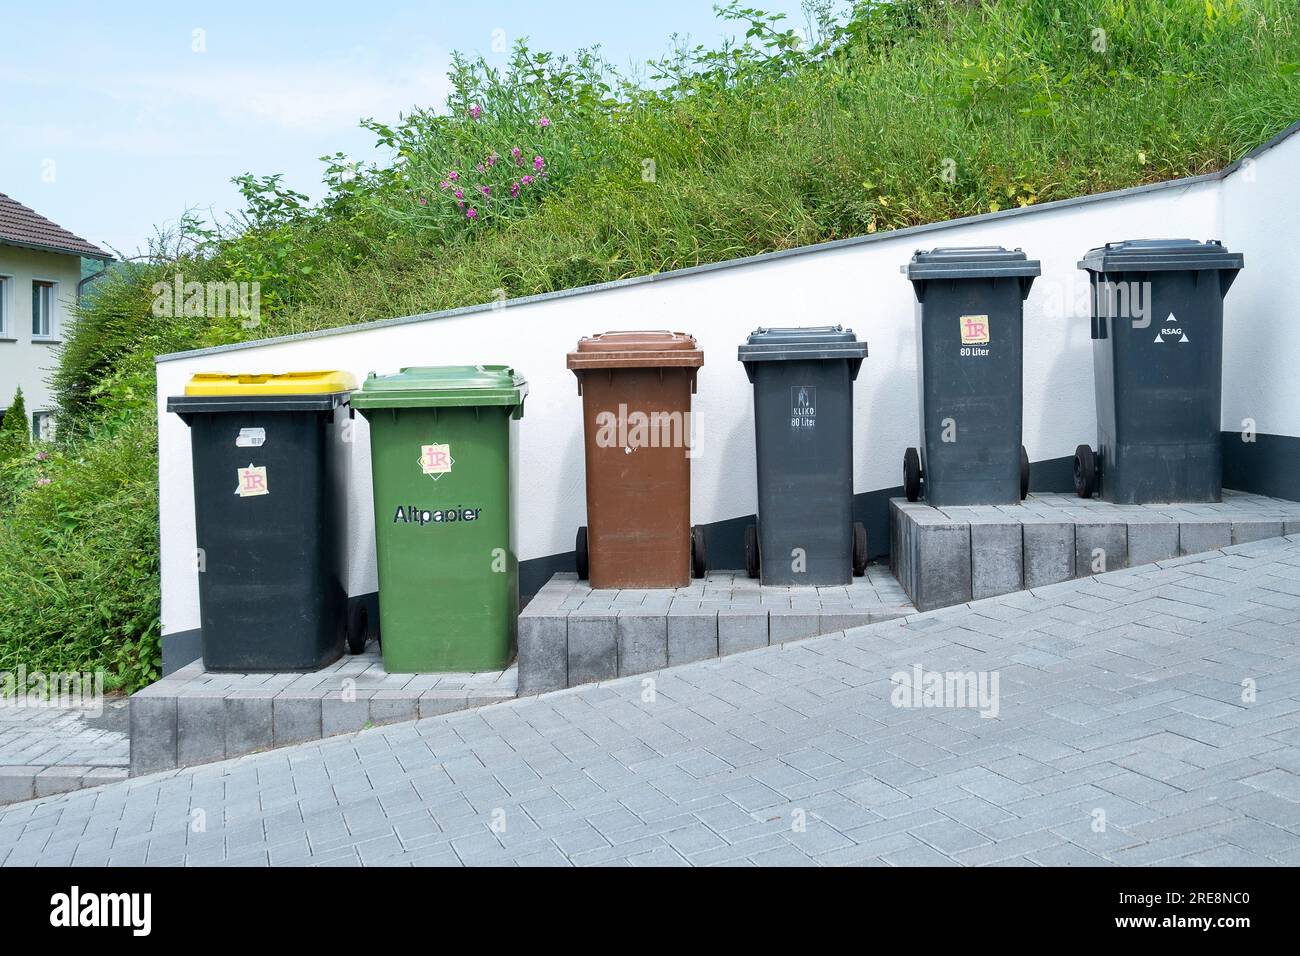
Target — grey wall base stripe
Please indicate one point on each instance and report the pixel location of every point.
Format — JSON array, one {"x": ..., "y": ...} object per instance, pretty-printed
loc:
[
  {"x": 181, "y": 648},
  {"x": 1268, "y": 466}
]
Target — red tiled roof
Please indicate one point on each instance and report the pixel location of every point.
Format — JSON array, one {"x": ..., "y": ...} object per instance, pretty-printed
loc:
[{"x": 20, "y": 226}]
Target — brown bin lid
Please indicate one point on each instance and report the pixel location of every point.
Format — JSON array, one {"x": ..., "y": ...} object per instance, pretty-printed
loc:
[{"x": 636, "y": 350}]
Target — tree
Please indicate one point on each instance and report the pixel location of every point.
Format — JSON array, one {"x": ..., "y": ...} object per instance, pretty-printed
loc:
[{"x": 15, "y": 433}]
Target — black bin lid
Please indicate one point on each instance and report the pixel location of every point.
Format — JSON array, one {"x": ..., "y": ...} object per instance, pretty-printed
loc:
[
  {"x": 970, "y": 262},
  {"x": 812, "y": 343},
  {"x": 1161, "y": 255}
]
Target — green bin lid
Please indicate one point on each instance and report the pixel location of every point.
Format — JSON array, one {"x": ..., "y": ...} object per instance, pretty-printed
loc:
[
  {"x": 1161, "y": 255},
  {"x": 803, "y": 344},
  {"x": 443, "y": 386},
  {"x": 970, "y": 262}
]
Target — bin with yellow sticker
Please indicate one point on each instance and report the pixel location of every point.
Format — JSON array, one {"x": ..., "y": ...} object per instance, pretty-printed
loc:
[
  {"x": 270, "y": 471},
  {"x": 441, "y": 452}
]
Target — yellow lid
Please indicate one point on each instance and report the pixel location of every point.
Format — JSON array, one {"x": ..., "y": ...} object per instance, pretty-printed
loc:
[{"x": 287, "y": 383}]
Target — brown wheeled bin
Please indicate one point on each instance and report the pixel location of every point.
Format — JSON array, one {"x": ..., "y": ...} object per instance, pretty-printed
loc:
[{"x": 636, "y": 392}]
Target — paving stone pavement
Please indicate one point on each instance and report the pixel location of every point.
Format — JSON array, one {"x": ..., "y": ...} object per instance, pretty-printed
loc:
[
  {"x": 1149, "y": 715},
  {"x": 47, "y": 750}
]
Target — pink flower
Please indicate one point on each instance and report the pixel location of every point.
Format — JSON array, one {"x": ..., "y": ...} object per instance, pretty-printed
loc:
[
  {"x": 471, "y": 213},
  {"x": 527, "y": 180},
  {"x": 486, "y": 190},
  {"x": 453, "y": 175},
  {"x": 459, "y": 194},
  {"x": 42, "y": 482},
  {"x": 517, "y": 154},
  {"x": 444, "y": 185},
  {"x": 42, "y": 455},
  {"x": 480, "y": 167},
  {"x": 538, "y": 163},
  {"x": 543, "y": 122},
  {"x": 514, "y": 190},
  {"x": 423, "y": 201},
  {"x": 475, "y": 111},
  {"x": 492, "y": 158}
]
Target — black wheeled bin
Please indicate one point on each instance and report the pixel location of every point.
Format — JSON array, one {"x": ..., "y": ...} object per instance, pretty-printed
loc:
[
  {"x": 269, "y": 508},
  {"x": 970, "y": 359},
  {"x": 1157, "y": 360},
  {"x": 803, "y": 429}
]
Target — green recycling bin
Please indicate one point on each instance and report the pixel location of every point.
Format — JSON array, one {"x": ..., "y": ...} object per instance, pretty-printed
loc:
[{"x": 441, "y": 453}]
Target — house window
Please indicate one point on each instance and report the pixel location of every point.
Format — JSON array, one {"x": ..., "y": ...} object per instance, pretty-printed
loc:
[
  {"x": 43, "y": 426},
  {"x": 6, "y": 283},
  {"x": 42, "y": 309}
]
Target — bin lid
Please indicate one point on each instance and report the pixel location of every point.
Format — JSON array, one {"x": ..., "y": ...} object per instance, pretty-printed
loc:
[
  {"x": 266, "y": 392},
  {"x": 809, "y": 343},
  {"x": 636, "y": 350},
  {"x": 443, "y": 386},
  {"x": 1161, "y": 255},
  {"x": 970, "y": 262}
]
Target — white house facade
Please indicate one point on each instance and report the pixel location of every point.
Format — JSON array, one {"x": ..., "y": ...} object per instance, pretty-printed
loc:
[{"x": 40, "y": 272}]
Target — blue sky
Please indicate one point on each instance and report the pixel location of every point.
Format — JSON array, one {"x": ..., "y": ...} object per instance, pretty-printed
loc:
[{"x": 111, "y": 121}]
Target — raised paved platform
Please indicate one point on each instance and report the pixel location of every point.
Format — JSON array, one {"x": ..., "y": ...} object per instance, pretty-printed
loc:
[
  {"x": 946, "y": 556},
  {"x": 195, "y": 716},
  {"x": 570, "y": 634}
]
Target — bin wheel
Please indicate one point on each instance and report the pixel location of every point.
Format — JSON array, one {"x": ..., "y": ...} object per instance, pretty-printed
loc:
[
  {"x": 581, "y": 556},
  {"x": 1024, "y": 473},
  {"x": 859, "y": 549},
  {"x": 912, "y": 474},
  {"x": 751, "y": 551},
  {"x": 699, "y": 559},
  {"x": 1085, "y": 471},
  {"x": 359, "y": 630}
]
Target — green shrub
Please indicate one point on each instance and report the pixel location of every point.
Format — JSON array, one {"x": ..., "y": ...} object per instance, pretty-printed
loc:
[
  {"x": 15, "y": 432},
  {"x": 79, "y": 558}
]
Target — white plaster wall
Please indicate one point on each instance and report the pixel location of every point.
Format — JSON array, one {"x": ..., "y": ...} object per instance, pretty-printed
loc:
[
  {"x": 857, "y": 285},
  {"x": 1261, "y": 348},
  {"x": 24, "y": 362}
]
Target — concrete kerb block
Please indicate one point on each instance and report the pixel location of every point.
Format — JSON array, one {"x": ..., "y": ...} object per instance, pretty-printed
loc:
[
  {"x": 1152, "y": 541},
  {"x": 55, "y": 780},
  {"x": 942, "y": 563},
  {"x": 543, "y": 652},
  {"x": 345, "y": 711},
  {"x": 832, "y": 621},
  {"x": 249, "y": 724},
  {"x": 1244, "y": 532},
  {"x": 789, "y": 624},
  {"x": 1049, "y": 551},
  {"x": 392, "y": 706},
  {"x": 296, "y": 717},
  {"x": 692, "y": 635},
  {"x": 437, "y": 701},
  {"x": 1100, "y": 547},
  {"x": 997, "y": 557},
  {"x": 153, "y": 732},
  {"x": 593, "y": 647},
  {"x": 17, "y": 784},
  {"x": 642, "y": 639},
  {"x": 1197, "y": 537},
  {"x": 741, "y": 629},
  {"x": 200, "y": 727}
]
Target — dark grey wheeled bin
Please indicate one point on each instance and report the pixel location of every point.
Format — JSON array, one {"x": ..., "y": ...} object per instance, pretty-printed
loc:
[
  {"x": 1157, "y": 358},
  {"x": 803, "y": 429},
  {"x": 970, "y": 359}
]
